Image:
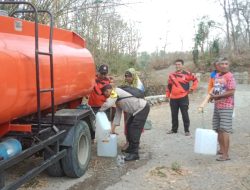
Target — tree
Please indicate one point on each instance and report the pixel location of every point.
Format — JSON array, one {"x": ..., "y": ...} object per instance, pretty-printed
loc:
[
  {"x": 215, "y": 48},
  {"x": 108, "y": 36},
  {"x": 237, "y": 16},
  {"x": 201, "y": 37},
  {"x": 244, "y": 11}
]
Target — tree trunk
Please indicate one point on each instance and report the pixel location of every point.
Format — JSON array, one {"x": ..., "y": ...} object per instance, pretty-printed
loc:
[
  {"x": 224, "y": 5},
  {"x": 235, "y": 46}
]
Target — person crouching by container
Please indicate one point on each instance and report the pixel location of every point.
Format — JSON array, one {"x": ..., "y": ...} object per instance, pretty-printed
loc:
[{"x": 139, "y": 110}]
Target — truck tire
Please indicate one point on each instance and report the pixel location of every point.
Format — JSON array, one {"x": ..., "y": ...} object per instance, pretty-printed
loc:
[
  {"x": 56, "y": 169},
  {"x": 75, "y": 163}
]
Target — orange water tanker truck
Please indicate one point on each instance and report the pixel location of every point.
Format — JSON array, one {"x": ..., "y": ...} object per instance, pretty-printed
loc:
[{"x": 44, "y": 74}]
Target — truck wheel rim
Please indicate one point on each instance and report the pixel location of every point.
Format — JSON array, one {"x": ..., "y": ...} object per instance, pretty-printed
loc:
[{"x": 83, "y": 148}]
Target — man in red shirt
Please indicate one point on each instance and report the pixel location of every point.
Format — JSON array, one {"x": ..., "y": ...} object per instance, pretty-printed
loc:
[
  {"x": 223, "y": 96},
  {"x": 177, "y": 91},
  {"x": 96, "y": 98}
]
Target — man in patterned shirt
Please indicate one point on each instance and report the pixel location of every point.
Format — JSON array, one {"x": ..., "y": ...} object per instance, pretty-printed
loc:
[{"x": 223, "y": 96}]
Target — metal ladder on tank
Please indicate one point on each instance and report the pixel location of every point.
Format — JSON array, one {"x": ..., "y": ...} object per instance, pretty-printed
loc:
[
  {"x": 51, "y": 88},
  {"x": 52, "y": 140},
  {"x": 40, "y": 91}
]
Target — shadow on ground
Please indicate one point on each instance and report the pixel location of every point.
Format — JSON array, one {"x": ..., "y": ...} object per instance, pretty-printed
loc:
[{"x": 105, "y": 171}]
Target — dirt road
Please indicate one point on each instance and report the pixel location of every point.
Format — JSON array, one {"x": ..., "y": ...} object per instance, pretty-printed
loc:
[
  {"x": 168, "y": 161},
  {"x": 172, "y": 152}
]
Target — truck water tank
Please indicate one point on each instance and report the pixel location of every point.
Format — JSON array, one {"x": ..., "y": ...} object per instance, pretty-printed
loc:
[
  {"x": 9, "y": 147},
  {"x": 74, "y": 68}
]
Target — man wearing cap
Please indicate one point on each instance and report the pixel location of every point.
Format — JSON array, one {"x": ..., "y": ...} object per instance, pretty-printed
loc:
[{"x": 96, "y": 98}]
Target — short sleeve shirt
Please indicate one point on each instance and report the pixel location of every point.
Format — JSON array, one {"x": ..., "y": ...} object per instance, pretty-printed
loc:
[{"x": 223, "y": 83}]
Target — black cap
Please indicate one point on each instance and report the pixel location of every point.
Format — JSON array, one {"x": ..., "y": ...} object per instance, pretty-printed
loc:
[{"x": 103, "y": 69}]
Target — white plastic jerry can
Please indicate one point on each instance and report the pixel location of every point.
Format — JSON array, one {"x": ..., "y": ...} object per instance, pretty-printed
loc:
[
  {"x": 107, "y": 147},
  {"x": 103, "y": 126},
  {"x": 205, "y": 141}
]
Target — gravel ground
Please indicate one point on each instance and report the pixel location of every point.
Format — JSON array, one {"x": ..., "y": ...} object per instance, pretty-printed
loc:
[
  {"x": 174, "y": 165},
  {"x": 168, "y": 161}
]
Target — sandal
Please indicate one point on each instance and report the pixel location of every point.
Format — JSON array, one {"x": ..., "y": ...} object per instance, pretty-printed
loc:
[{"x": 222, "y": 159}]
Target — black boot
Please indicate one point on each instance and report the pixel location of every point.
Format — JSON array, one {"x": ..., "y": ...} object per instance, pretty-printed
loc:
[
  {"x": 127, "y": 150},
  {"x": 132, "y": 156}
]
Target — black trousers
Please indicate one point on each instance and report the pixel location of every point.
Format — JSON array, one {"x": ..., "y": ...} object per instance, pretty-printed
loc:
[
  {"x": 135, "y": 125},
  {"x": 175, "y": 105}
]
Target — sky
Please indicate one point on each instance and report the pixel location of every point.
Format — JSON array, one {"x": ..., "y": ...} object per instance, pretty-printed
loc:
[{"x": 168, "y": 22}]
